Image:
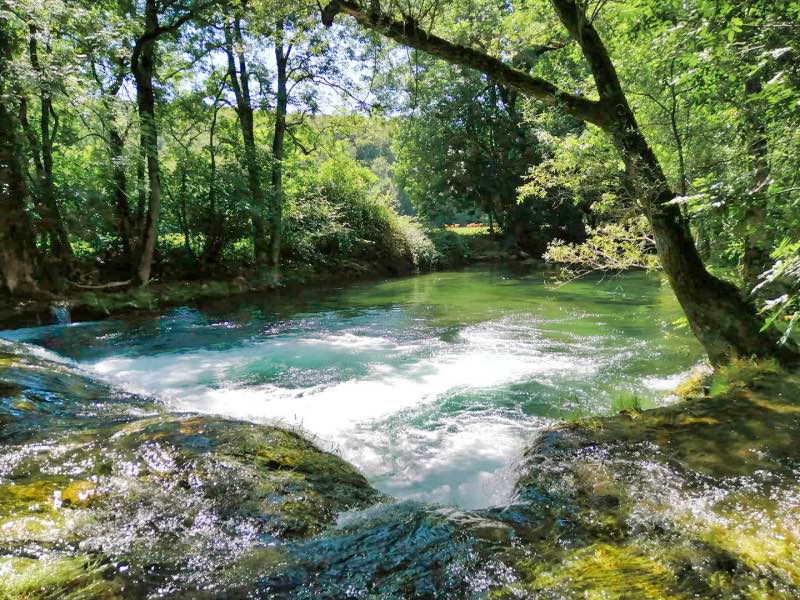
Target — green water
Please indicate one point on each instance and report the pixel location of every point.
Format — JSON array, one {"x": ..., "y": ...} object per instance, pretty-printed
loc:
[{"x": 431, "y": 385}]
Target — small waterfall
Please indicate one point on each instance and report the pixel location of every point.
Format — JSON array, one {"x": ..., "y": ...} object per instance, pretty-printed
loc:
[{"x": 61, "y": 313}]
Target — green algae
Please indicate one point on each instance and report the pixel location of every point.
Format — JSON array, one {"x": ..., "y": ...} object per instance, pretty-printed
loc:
[
  {"x": 56, "y": 578},
  {"x": 601, "y": 571}
]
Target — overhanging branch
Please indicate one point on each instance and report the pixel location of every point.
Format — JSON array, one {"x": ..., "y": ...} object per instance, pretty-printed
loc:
[{"x": 408, "y": 33}]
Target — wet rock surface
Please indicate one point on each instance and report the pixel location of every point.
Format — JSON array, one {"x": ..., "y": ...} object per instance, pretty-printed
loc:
[
  {"x": 105, "y": 495},
  {"x": 696, "y": 500},
  {"x": 168, "y": 502}
]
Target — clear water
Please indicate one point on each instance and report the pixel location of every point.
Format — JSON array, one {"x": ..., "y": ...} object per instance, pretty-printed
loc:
[{"x": 431, "y": 385}]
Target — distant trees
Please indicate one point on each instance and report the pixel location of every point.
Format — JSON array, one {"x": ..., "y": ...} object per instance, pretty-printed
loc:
[{"x": 466, "y": 144}]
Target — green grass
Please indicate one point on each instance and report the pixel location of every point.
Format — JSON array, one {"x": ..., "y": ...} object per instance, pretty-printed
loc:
[
  {"x": 743, "y": 373},
  {"x": 469, "y": 230},
  {"x": 626, "y": 402}
]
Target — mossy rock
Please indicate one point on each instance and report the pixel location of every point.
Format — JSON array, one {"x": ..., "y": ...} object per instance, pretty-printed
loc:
[
  {"x": 177, "y": 502},
  {"x": 706, "y": 490},
  {"x": 54, "y": 577},
  {"x": 39, "y": 397}
]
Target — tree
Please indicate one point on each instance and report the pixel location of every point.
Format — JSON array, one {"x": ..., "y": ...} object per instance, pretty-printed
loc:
[
  {"x": 42, "y": 142},
  {"x": 282, "y": 54},
  {"x": 17, "y": 250},
  {"x": 726, "y": 324},
  {"x": 239, "y": 77},
  {"x": 143, "y": 64}
]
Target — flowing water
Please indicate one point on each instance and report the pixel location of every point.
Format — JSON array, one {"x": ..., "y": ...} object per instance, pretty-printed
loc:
[{"x": 431, "y": 385}]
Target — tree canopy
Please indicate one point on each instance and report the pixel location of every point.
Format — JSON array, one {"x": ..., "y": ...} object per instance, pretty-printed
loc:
[{"x": 144, "y": 139}]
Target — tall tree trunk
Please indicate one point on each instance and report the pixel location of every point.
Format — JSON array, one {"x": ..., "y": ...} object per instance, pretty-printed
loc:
[
  {"x": 212, "y": 246},
  {"x": 17, "y": 246},
  {"x": 143, "y": 67},
  {"x": 281, "y": 60},
  {"x": 244, "y": 107},
  {"x": 141, "y": 194},
  {"x": 42, "y": 146},
  {"x": 116, "y": 147},
  {"x": 720, "y": 318},
  {"x": 757, "y": 247}
]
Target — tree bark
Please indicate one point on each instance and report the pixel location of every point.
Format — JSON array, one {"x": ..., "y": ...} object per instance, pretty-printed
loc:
[
  {"x": 141, "y": 193},
  {"x": 757, "y": 246},
  {"x": 17, "y": 249},
  {"x": 116, "y": 150},
  {"x": 725, "y": 324},
  {"x": 240, "y": 84},
  {"x": 213, "y": 243},
  {"x": 143, "y": 68},
  {"x": 276, "y": 196},
  {"x": 116, "y": 147}
]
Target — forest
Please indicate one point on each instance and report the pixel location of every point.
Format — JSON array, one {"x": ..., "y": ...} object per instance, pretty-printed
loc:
[
  {"x": 308, "y": 223},
  {"x": 212, "y": 139}
]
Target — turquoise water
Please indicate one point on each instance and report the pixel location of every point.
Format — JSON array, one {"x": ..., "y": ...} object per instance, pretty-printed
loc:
[{"x": 431, "y": 385}]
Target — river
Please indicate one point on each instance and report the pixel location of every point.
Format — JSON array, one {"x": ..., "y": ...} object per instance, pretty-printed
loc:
[{"x": 431, "y": 385}]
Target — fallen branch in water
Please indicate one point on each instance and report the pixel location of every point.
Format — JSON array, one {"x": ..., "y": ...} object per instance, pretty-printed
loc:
[{"x": 103, "y": 286}]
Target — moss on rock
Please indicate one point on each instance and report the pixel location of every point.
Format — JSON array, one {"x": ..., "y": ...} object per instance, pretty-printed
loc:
[
  {"x": 697, "y": 499},
  {"x": 57, "y": 578},
  {"x": 176, "y": 501}
]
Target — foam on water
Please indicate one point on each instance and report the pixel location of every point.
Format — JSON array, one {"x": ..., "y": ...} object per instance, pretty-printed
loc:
[{"x": 369, "y": 418}]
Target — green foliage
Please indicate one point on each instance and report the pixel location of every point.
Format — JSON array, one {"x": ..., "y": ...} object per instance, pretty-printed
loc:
[
  {"x": 333, "y": 212},
  {"x": 714, "y": 86},
  {"x": 463, "y": 151},
  {"x": 451, "y": 247},
  {"x": 784, "y": 275},
  {"x": 582, "y": 168},
  {"x": 610, "y": 247}
]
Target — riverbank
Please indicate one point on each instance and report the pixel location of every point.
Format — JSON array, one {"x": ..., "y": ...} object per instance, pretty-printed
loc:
[{"x": 452, "y": 251}]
